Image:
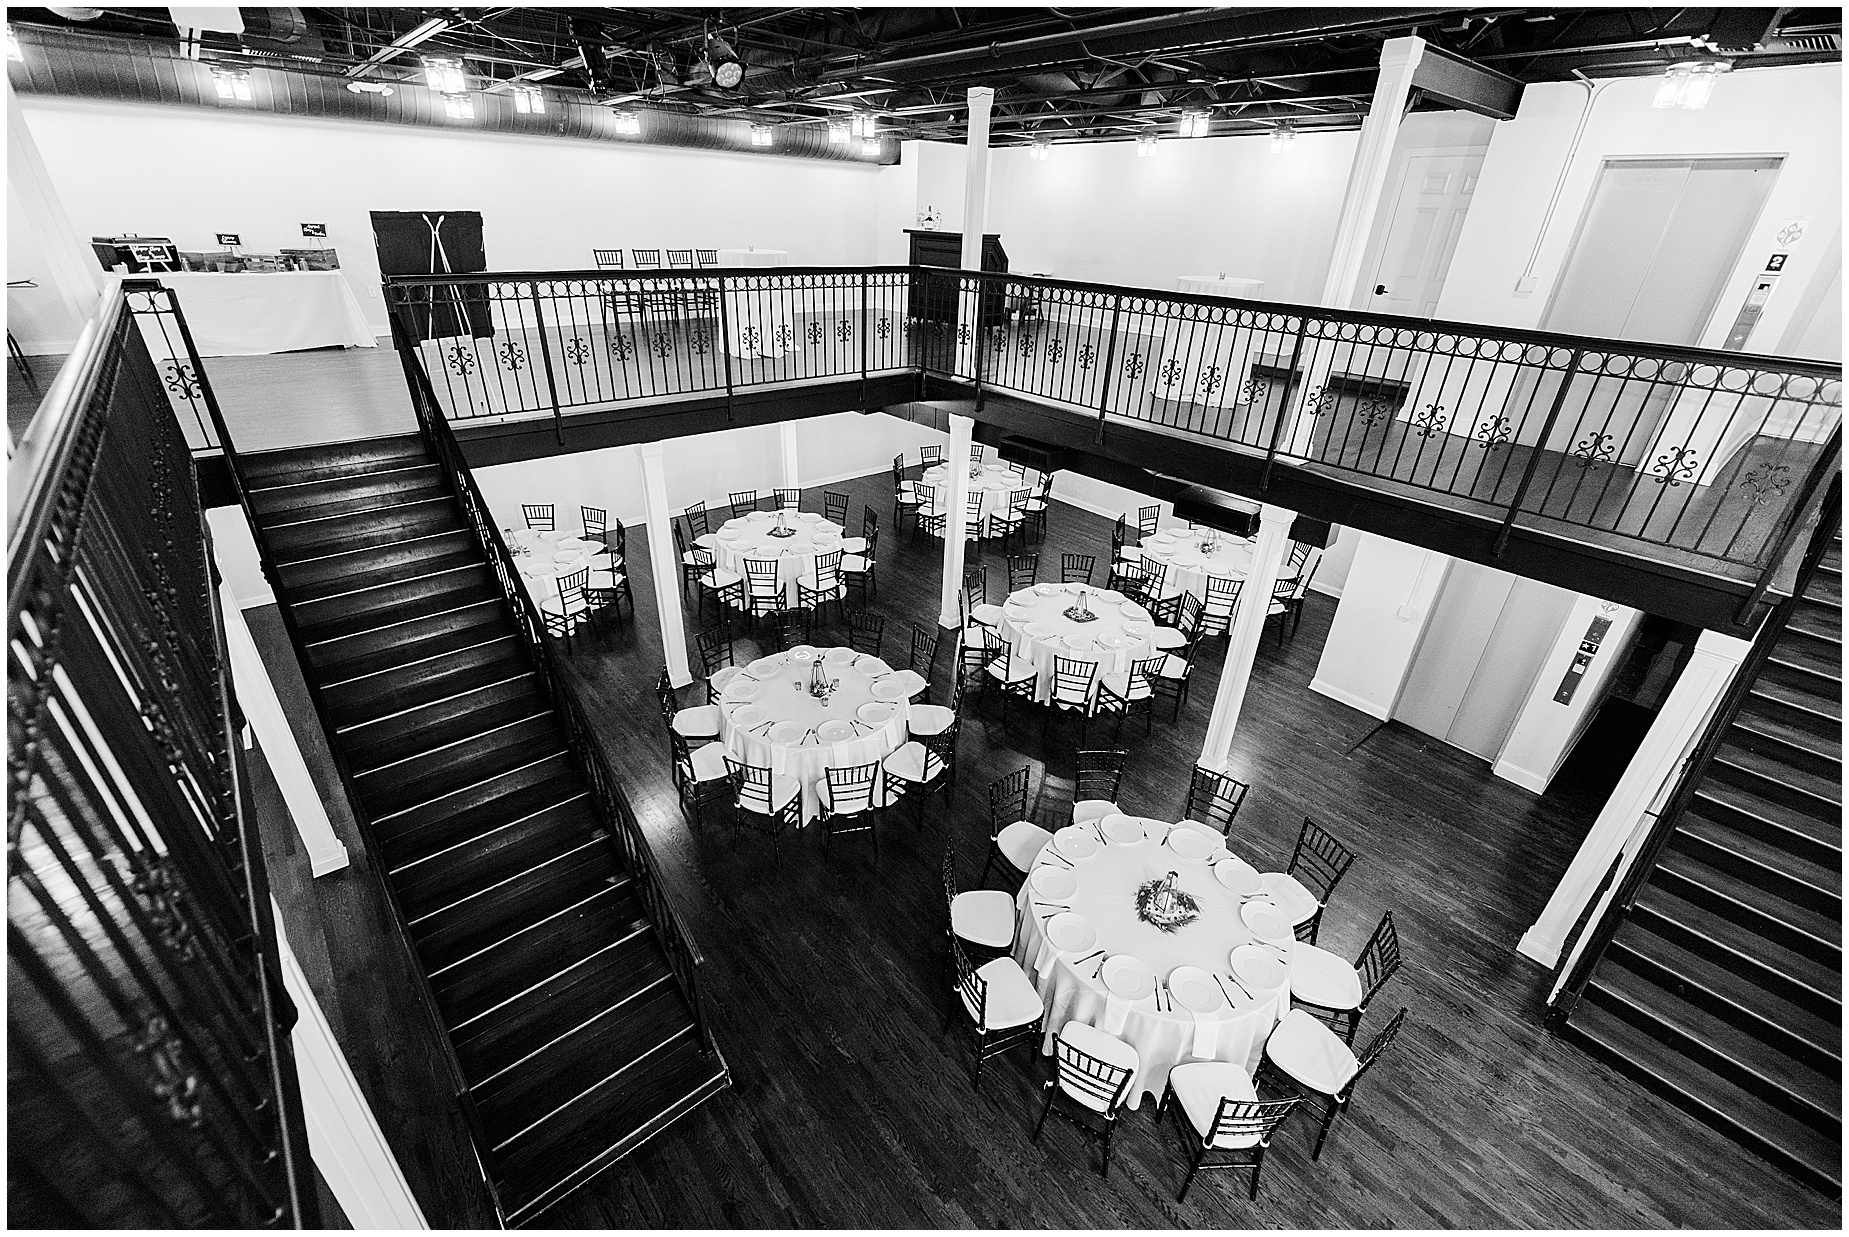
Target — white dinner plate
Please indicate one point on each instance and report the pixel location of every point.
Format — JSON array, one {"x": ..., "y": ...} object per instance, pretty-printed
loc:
[
  {"x": 1237, "y": 875},
  {"x": 787, "y": 732},
  {"x": 1259, "y": 968},
  {"x": 1052, "y": 881},
  {"x": 1190, "y": 843},
  {"x": 871, "y": 667},
  {"x": 890, "y": 689},
  {"x": 728, "y": 533},
  {"x": 1080, "y": 644},
  {"x": 1076, "y": 842},
  {"x": 742, "y": 688},
  {"x": 1021, "y": 597},
  {"x": 1136, "y": 627},
  {"x": 1128, "y": 977},
  {"x": 1266, "y": 921},
  {"x": 1052, "y": 642},
  {"x": 765, "y": 666},
  {"x": 1123, "y": 830},
  {"x": 876, "y": 714},
  {"x": 1133, "y": 611},
  {"x": 834, "y": 731},
  {"x": 1187, "y": 558},
  {"x": 748, "y": 716},
  {"x": 836, "y": 656},
  {"x": 1038, "y": 631},
  {"x": 758, "y": 515},
  {"x": 573, "y": 542},
  {"x": 1071, "y": 933},
  {"x": 808, "y": 517},
  {"x": 551, "y": 536},
  {"x": 1046, "y": 590},
  {"x": 1112, "y": 595},
  {"x": 1165, "y": 534},
  {"x": 803, "y": 652},
  {"x": 1113, "y": 642},
  {"x": 1195, "y": 991}
]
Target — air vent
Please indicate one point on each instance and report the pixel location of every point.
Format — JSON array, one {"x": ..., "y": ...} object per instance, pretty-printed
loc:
[{"x": 1804, "y": 43}]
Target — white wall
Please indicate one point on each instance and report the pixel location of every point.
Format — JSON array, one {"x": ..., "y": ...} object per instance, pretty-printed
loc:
[
  {"x": 704, "y": 468},
  {"x": 1332, "y": 572},
  {"x": 1097, "y": 213},
  {"x": 1387, "y": 597},
  {"x": 545, "y": 202},
  {"x": 1546, "y": 730},
  {"x": 1795, "y": 112}
]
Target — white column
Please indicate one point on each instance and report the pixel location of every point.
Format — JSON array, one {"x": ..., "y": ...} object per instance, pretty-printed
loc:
[
  {"x": 264, "y": 713},
  {"x": 786, "y": 440},
  {"x": 1367, "y": 175},
  {"x": 1647, "y": 779},
  {"x": 1248, "y": 626},
  {"x": 1386, "y": 600},
  {"x": 975, "y": 223},
  {"x": 665, "y": 565},
  {"x": 962, "y": 432},
  {"x": 1545, "y": 730},
  {"x": 344, "y": 1138}
]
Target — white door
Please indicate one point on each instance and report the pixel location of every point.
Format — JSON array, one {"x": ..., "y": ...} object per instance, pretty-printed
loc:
[{"x": 1433, "y": 198}]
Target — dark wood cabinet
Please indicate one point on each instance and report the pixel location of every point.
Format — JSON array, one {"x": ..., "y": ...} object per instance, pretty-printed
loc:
[{"x": 936, "y": 299}]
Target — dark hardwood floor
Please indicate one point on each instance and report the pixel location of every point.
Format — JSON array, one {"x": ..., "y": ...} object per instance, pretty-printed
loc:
[{"x": 824, "y": 978}]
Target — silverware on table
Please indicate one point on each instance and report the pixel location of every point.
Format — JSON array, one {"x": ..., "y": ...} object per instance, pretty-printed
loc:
[
  {"x": 1088, "y": 957},
  {"x": 1061, "y": 905}
]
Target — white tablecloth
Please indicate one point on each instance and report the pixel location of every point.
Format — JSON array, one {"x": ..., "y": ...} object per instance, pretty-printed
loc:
[
  {"x": 1042, "y": 607},
  {"x": 257, "y": 314},
  {"x": 752, "y": 257},
  {"x": 1188, "y": 567},
  {"x": 548, "y": 556},
  {"x": 749, "y": 537},
  {"x": 1221, "y": 285},
  {"x": 775, "y": 690},
  {"x": 1105, "y": 894},
  {"x": 994, "y": 483}
]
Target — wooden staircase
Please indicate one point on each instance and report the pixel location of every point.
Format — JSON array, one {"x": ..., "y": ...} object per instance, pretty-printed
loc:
[
  {"x": 571, "y": 1030},
  {"x": 1722, "y": 988}
]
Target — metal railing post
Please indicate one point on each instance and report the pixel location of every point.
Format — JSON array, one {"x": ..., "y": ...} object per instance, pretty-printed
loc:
[
  {"x": 1110, "y": 362},
  {"x": 1534, "y": 458},
  {"x": 865, "y": 320},
  {"x": 1284, "y": 418},
  {"x": 545, "y": 354},
  {"x": 725, "y": 347}
]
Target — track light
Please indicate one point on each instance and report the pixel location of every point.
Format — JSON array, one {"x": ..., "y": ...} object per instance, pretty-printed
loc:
[
  {"x": 458, "y": 107},
  {"x": 443, "y": 74},
  {"x": 870, "y": 146},
  {"x": 1042, "y": 149},
  {"x": 231, "y": 83},
  {"x": 728, "y": 70},
  {"x": 378, "y": 88},
  {"x": 760, "y": 135},
  {"x": 528, "y": 99},
  {"x": 1194, "y": 123},
  {"x": 838, "y": 133},
  {"x": 12, "y": 46},
  {"x": 1146, "y": 145},
  {"x": 628, "y": 124},
  {"x": 1690, "y": 84},
  {"x": 864, "y": 124},
  {"x": 1281, "y": 139}
]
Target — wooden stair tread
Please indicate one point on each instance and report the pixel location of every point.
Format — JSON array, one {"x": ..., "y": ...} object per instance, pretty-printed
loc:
[
  {"x": 531, "y": 957},
  {"x": 1824, "y": 789},
  {"x": 434, "y": 774},
  {"x": 602, "y": 1126},
  {"x": 1723, "y": 988},
  {"x": 439, "y": 673},
  {"x": 1804, "y": 927},
  {"x": 373, "y": 612},
  {"x": 1826, "y": 880},
  {"x": 473, "y": 865},
  {"x": 1778, "y": 818},
  {"x": 1827, "y": 747},
  {"x": 354, "y": 571},
  {"x": 422, "y": 727},
  {"x": 544, "y": 1083},
  {"x": 1822, "y": 982},
  {"x": 462, "y": 930},
  {"x": 1823, "y": 623},
  {"x": 429, "y": 830},
  {"x": 1716, "y": 1100},
  {"x": 333, "y": 458},
  {"x": 286, "y": 501},
  {"x": 1726, "y": 1049},
  {"x": 1825, "y": 708},
  {"x": 366, "y": 528},
  {"x": 509, "y": 1034}
]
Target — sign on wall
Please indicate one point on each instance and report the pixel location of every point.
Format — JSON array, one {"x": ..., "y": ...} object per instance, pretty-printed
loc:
[
  {"x": 229, "y": 239},
  {"x": 314, "y": 229}
]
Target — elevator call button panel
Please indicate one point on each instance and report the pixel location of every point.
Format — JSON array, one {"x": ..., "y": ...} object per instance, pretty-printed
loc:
[{"x": 1588, "y": 649}]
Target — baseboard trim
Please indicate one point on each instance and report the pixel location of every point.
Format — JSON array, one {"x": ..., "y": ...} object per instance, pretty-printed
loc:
[
  {"x": 1527, "y": 779},
  {"x": 1546, "y": 952},
  {"x": 1348, "y": 698}
]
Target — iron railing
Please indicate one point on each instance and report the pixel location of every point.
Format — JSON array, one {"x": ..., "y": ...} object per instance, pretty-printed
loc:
[
  {"x": 1715, "y": 458},
  {"x": 606, "y": 788},
  {"x": 151, "y": 1079}
]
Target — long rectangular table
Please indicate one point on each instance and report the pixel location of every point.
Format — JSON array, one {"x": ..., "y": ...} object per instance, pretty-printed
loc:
[{"x": 255, "y": 314}]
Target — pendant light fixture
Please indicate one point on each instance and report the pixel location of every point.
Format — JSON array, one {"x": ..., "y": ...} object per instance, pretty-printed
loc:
[
  {"x": 1689, "y": 84},
  {"x": 1146, "y": 145},
  {"x": 727, "y": 69},
  {"x": 1042, "y": 149},
  {"x": 761, "y": 135},
  {"x": 443, "y": 74},
  {"x": 1282, "y": 138},
  {"x": 529, "y": 101},
  {"x": 1194, "y": 123}
]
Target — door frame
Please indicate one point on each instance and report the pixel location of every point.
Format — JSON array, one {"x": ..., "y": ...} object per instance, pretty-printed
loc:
[{"x": 1390, "y": 204}]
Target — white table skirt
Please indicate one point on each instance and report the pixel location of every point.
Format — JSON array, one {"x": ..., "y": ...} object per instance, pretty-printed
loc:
[
  {"x": 795, "y": 555},
  {"x": 1030, "y": 606},
  {"x": 995, "y": 484},
  {"x": 781, "y": 698},
  {"x": 254, "y": 314},
  {"x": 1232, "y": 559},
  {"x": 545, "y": 561},
  {"x": 1106, "y": 895}
]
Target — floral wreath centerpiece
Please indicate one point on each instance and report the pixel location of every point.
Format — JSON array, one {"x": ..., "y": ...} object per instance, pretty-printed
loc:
[
  {"x": 783, "y": 528},
  {"x": 1080, "y": 611},
  {"x": 1161, "y": 905},
  {"x": 820, "y": 685}
]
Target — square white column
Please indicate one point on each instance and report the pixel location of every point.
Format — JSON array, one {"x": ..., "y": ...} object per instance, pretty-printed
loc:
[
  {"x": 956, "y": 494},
  {"x": 1247, "y": 628},
  {"x": 666, "y": 565}
]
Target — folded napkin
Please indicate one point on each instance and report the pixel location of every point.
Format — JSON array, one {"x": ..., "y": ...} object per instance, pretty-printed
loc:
[{"x": 1206, "y": 1034}]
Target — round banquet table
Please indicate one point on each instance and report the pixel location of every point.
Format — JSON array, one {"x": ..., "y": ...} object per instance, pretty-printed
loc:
[
  {"x": 548, "y": 556},
  {"x": 994, "y": 482},
  {"x": 1221, "y": 285},
  {"x": 1189, "y": 567},
  {"x": 1036, "y": 628},
  {"x": 768, "y": 717},
  {"x": 1103, "y": 891},
  {"x": 749, "y": 537}
]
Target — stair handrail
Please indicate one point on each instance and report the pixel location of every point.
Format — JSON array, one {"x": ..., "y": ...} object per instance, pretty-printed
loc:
[
  {"x": 1695, "y": 768},
  {"x": 423, "y": 995},
  {"x": 684, "y": 956}
]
